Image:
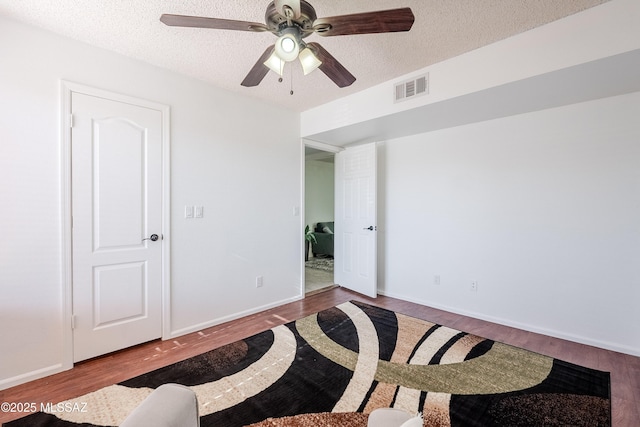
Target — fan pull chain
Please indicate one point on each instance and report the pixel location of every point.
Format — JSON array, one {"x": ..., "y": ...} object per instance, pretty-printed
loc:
[
  {"x": 291, "y": 74},
  {"x": 280, "y": 79}
]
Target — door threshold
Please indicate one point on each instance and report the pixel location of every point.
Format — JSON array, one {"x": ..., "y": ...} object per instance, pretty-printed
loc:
[{"x": 318, "y": 291}]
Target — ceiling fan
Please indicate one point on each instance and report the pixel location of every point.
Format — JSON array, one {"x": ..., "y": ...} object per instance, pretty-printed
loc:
[{"x": 292, "y": 21}]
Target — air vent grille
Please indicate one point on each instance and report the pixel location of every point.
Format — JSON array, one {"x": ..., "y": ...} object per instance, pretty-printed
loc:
[{"x": 411, "y": 88}]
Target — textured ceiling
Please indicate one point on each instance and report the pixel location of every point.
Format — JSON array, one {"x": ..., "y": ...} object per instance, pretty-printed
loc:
[{"x": 442, "y": 29}]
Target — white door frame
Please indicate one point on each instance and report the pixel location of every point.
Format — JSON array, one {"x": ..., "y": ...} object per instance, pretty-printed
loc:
[{"x": 66, "y": 90}]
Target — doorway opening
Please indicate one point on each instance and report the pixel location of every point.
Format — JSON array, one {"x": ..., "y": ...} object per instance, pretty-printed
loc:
[
  {"x": 319, "y": 217},
  {"x": 351, "y": 201}
]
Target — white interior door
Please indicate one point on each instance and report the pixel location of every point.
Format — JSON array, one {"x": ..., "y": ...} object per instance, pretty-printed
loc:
[
  {"x": 355, "y": 222},
  {"x": 116, "y": 206}
]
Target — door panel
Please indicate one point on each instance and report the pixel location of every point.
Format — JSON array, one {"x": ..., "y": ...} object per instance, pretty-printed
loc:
[
  {"x": 355, "y": 222},
  {"x": 119, "y": 293},
  {"x": 119, "y": 148},
  {"x": 116, "y": 205}
]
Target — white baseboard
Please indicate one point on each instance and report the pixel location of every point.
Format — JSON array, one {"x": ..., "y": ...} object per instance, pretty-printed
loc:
[
  {"x": 234, "y": 316},
  {"x": 524, "y": 326},
  {"x": 32, "y": 375},
  {"x": 60, "y": 367}
]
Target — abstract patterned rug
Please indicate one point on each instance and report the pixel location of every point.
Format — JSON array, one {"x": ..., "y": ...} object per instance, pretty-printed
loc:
[{"x": 334, "y": 367}]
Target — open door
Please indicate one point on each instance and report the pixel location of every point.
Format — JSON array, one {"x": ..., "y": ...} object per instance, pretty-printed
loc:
[{"x": 355, "y": 219}]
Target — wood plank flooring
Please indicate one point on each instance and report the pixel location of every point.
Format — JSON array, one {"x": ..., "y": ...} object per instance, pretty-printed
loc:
[{"x": 106, "y": 370}]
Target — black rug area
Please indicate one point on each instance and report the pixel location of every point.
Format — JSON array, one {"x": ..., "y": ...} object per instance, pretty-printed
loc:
[{"x": 355, "y": 358}]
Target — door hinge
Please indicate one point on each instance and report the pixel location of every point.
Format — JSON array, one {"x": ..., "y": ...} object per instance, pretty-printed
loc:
[
  {"x": 73, "y": 321},
  {"x": 71, "y": 120}
]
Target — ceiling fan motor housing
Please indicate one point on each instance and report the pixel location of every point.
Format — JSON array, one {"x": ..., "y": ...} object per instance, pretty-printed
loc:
[{"x": 278, "y": 24}]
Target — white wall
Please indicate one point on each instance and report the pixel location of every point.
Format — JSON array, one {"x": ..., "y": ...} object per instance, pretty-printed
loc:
[
  {"x": 542, "y": 209},
  {"x": 319, "y": 192},
  {"x": 248, "y": 181}
]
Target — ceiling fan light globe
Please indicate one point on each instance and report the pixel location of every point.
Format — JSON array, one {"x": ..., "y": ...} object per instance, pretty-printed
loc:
[
  {"x": 287, "y": 48},
  {"x": 275, "y": 64},
  {"x": 308, "y": 60},
  {"x": 288, "y": 45}
]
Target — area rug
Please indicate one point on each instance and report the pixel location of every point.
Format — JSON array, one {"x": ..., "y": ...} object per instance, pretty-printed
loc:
[
  {"x": 336, "y": 366},
  {"x": 324, "y": 264}
]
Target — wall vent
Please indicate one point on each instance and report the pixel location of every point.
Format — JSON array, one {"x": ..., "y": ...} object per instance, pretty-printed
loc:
[{"x": 411, "y": 88}]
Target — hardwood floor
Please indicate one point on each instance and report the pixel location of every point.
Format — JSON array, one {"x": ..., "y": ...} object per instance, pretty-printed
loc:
[{"x": 106, "y": 370}]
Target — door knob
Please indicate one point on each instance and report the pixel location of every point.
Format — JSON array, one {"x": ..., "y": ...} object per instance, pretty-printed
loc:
[
  {"x": 370, "y": 228},
  {"x": 153, "y": 238}
]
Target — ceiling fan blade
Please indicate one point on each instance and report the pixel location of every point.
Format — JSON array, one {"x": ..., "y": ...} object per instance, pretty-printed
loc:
[
  {"x": 259, "y": 70},
  {"x": 293, "y": 4},
  {"x": 331, "y": 67},
  {"x": 216, "y": 23},
  {"x": 383, "y": 21}
]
